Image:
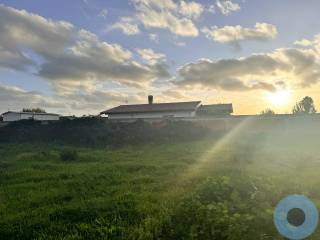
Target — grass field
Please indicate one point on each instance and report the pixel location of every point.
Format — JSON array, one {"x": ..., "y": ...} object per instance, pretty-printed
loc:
[{"x": 214, "y": 188}]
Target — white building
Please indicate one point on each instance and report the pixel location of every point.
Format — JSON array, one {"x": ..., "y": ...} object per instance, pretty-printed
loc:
[
  {"x": 17, "y": 116},
  {"x": 153, "y": 110},
  {"x": 177, "y": 110}
]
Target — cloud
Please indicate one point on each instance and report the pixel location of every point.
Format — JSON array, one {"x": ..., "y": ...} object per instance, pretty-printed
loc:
[
  {"x": 103, "y": 13},
  {"x": 74, "y": 58},
  {"x": 15, "y": 98},
  {"x": 311, "y": 44},
  {"x": 235, "y": 34},
  {"x": 98, "y": 101},
  {"x": 191, "y": 9},
  {"x": 180, "y": 44},
  {"x": 211, "y": 9},
  {"x": 150, "y": 56},
  {"x": 21, "y": 30},
  {"x": 227, "y": 7},
  {"x": 154, "y": 37},
  {"x": 92, "y": 60},
  {"x": 303, "y": 43},
  {"x": 14, "y": 59},
  {"x": 297, "y": 67},
  {"x": 127, "y": 26},
  {"x": 169, "y": 15}
]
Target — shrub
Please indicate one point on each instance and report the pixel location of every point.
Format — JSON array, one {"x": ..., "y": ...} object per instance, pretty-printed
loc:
[
  {"x": 221, "y": 208},
  {"x": 69, "y": 155}
]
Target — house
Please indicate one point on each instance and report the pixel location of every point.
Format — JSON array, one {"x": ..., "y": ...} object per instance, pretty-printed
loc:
[
  {"x": 153, "y": 110},
  {"x": 215, "y": 110},
  {"x": 17, "y": 116},
  {"x": 176, "y": 110}
]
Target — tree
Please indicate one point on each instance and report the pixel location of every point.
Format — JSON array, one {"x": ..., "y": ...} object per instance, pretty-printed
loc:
[
  {"x": 305, "y": 106},
  {"x": 267, "y": 112},
  {"x": 35, "y": 110}
]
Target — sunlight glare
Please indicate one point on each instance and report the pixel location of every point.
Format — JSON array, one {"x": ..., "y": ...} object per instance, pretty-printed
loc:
[{"x": 279, "y": 98}]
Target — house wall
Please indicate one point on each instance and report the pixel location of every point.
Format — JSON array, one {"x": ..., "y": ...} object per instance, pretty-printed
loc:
[
  {"x": 26, "y": 116},
  {"x": 11, "y": 117},
  {"x": 184, "y": 114},
  {"x": 43, "y": 117}
]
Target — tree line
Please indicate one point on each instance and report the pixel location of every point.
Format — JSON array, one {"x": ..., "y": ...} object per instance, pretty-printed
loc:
[{"x": 305, "y": 106}]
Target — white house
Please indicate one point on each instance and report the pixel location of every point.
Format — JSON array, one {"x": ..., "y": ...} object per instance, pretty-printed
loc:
[
  {"x": 153, "y": 110},
  {"x": 17, "y": 116},
  {"x": 177, "y": 110},
  {"x": 215, "y": 110}
]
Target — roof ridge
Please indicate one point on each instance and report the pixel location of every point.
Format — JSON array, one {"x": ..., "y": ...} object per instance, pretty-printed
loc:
[
  {"x": 154, "y": 107},
  {"x": 29, "y": 113},
  {"x": 157, "y": 103}
]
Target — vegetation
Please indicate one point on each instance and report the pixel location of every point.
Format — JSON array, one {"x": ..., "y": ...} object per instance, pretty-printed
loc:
[
  {"x": 267, "y": 112},
  {"x": 207, "y": 187},
  {"x": 97, "y": 133},
  {"x": 68, "y": 155},
  {"x": 34, "y": 110},
  {"x": 305, "y": 106}
]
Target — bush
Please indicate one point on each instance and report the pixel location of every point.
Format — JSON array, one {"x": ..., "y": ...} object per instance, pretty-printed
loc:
[
  {"x": 99, "y": 133},
  {"x": 222, "y": 208},
  {"x": 69, "y": 155}
]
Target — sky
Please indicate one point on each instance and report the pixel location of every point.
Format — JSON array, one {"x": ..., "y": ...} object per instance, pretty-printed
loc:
[{"x": 84, "y": 56}]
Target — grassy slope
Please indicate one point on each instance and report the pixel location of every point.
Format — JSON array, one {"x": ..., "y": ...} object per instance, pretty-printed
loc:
[{"x": 206, "y": 189}]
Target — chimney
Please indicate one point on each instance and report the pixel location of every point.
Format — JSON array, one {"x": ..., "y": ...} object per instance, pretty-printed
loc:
[{"x": 150, "y": 99}]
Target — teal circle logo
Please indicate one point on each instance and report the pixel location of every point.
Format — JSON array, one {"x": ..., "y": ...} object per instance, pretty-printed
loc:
[{"x": 296, "y": 217}]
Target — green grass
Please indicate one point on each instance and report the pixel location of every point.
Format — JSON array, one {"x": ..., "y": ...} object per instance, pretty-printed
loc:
[{"x": 209, "y": 189}]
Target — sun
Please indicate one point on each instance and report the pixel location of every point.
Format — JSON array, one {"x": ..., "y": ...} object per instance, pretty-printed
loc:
[{"x": 279, "y": 98}]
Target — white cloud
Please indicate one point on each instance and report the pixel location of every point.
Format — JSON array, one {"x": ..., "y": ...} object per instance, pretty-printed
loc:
[
  {"x": 227, "y": 7},
  {"x": 303, "y": 43},
  {"x": 191, "y": 9},
  {"x": 22, "y": 30},
  {"x": 296, "y": 67},
  {"x": 103, "y": 13},
  {"x": 211, "y": 9},
  {"x": 97, "y": 101},
  {"x": 169, "y": 15},
  {"x": 90, "y": 60},
  {"x": 154, "y": 37},
  {"x": 74, "y": 58},
  {"x": 180, "y": 44},
  {"x": 150, "y": 56},
  {"x": 127, "y": 26},
  {"x": 14, "y": 98},
  {"x": 235, "y": 34},
  {"x": 14, "y": 59}
]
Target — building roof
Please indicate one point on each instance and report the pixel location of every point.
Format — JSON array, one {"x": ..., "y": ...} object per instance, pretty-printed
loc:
[
  {"x": 216, "y": 108},
  {"x": 34, "y": 113},
  {"x": 154, "y": 107}
]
